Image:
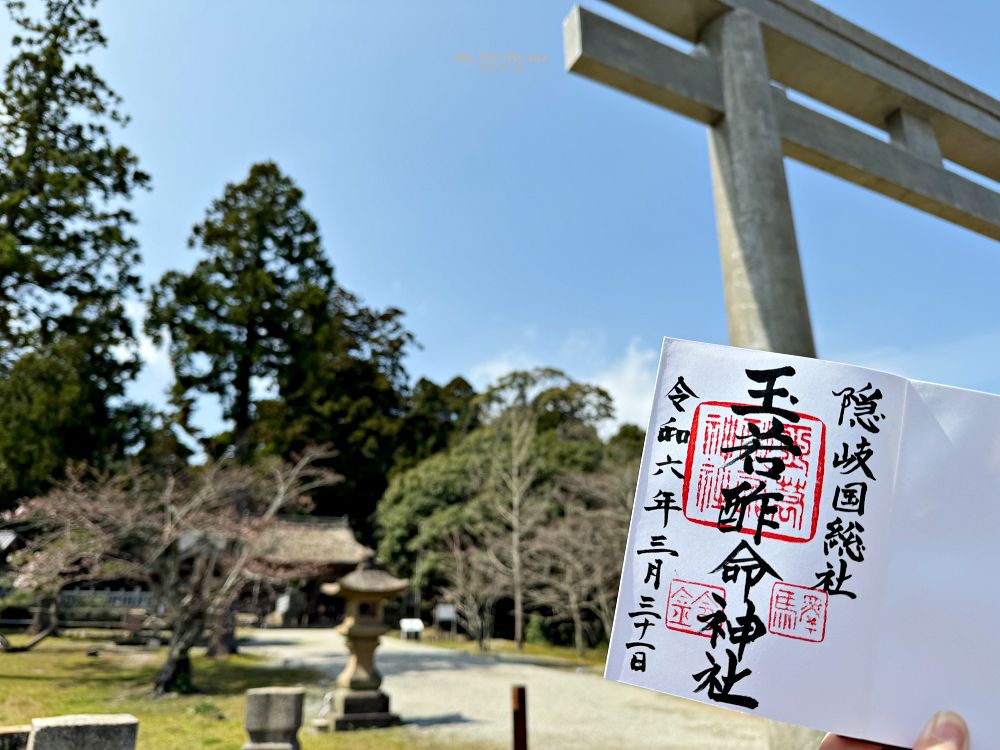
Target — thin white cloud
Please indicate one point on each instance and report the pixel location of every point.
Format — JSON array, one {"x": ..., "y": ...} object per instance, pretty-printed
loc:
[
  {"x": 971, "y": 361},
  {"x": 581, "y": 348},
  {"x": 486, "y": 373},
  {"x": 630, "y": 381}
]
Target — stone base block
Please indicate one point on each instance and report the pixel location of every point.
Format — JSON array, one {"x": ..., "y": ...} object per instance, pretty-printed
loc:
[
  {"x": 350, "y": 702},
  {"x": 364, "y": 721},
  {"x": 357, "y": 709},
  {"x": 14, "y": 738},
  {"x": 274, "y": 715},
  {"x": 349, "y": 722},
  {"x": 84, "y": 732}
]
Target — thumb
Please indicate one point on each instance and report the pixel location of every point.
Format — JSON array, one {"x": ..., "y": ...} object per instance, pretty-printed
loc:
[{"x": 945, "y": 731}]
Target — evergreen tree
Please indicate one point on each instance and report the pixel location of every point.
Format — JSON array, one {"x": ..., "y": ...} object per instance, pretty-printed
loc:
[
  {"x": 264, "y": 306},
  {"x": 235, "y": 318},
  {"x": 345, "y": 388},
  {"x": 67, "y": 260},
  {"x": 435, "y": 416}
]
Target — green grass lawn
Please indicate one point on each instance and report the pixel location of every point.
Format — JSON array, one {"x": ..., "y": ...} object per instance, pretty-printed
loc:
[{"x": 57, "y": 677}]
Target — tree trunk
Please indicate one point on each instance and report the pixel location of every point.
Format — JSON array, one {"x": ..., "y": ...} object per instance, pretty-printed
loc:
[
  {"x": 485, "y": 628},
  {"x": 578, "y": 631},
  {"x": 482, "y": 639},
  {"x": 242, "y": 381},
  {"x": 222, "y": 636},
  {"x": 606, "y": 613},
  {"x": 175, "y": 674},
  {"x": 518, "y": 614},
  {"x": 44, "y": 618},
  {"x": 516, "y": 575}
]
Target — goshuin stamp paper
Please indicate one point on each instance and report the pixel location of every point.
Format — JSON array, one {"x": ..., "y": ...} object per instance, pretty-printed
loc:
[{"x": 812, "y": 542}]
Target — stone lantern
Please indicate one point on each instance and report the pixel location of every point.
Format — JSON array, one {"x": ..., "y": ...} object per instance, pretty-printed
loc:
[{"x": 357, "y": 702}]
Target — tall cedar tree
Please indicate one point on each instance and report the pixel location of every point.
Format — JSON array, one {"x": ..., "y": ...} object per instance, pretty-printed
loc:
[
  {"x": 66, "y": 258},
  {"x": 234, "y": 318},
  {"x": 264, "y": 306}
]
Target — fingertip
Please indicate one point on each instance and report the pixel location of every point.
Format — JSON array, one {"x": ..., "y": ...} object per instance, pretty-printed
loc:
[{"x": 946, "y": 730}]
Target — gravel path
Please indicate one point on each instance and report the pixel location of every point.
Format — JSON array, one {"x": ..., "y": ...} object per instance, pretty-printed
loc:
[{"x": 445, "y": 693}]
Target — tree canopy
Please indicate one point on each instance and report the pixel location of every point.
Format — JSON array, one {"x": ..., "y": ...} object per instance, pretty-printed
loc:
[
  {"x": 194, "y": 536},
  {"x": 262, "y": 313},
  {"x": 236, "y": 317},
  {"x": 67, "y": 259},
  {"x": 456, "y": 488},
  {"x": 473, "y": 494}
]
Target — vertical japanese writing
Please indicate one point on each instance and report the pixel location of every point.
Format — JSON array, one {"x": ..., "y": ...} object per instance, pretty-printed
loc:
[
  {"x": 843, "y": 544},
  {"x": 654, "y": 548},
  {"x": 763, "y": 451}
]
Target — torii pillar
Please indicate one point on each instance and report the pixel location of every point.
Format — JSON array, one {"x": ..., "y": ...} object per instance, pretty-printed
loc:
[{"x": 762, "y": 277}]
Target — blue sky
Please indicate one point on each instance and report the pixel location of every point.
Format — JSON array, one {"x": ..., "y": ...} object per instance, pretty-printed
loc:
[{"x": 527, "y": 217}]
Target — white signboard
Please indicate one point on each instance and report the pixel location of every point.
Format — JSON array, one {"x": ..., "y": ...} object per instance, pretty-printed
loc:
[
  {"x": 444, "y": 612},
  {"x": 814, "y": 543},
  {"x": 411, "y": 625}
]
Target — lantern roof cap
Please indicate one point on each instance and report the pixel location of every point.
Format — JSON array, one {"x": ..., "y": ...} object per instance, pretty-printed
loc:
[{"x": 368, "y": 579}]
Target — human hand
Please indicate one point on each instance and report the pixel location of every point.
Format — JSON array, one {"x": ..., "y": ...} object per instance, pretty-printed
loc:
[{"x": 945, "y": 731}]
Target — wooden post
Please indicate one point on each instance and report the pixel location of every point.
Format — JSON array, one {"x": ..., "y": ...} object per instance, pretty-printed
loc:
[{"x": 519, "y": 704}]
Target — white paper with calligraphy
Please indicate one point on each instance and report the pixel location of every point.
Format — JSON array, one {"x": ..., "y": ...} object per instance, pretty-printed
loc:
[{"x": 813, "y": 542}]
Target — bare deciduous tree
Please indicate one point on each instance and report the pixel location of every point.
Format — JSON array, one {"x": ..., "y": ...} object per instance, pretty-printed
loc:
[
  {"x": 565, "y": 568},
  {"x": 191, "y": 536},
  {"x": 517, "y": 408},
  {"x": 604, "y": 499},
  {"x": 514, "y": 471},
  {"x": 472, "y": 586}
]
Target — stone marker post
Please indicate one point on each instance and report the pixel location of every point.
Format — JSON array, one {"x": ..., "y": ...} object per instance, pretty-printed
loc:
[
  {"x": 84, "y": 732},
  {"x": 274, "y": 715}
]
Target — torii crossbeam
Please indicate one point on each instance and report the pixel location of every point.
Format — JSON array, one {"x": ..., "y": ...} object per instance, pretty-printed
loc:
[{"x": 743, "y": 49}]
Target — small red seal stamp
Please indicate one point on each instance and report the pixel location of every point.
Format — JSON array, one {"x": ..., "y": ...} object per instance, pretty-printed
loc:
[
  {"x": 714, "y": 464},
  {"x": 687, "y": 602},
  {"x": 798, "y": 612}
]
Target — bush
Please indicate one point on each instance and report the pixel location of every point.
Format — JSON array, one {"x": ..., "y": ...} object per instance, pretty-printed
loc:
[{"x": 534, "y": 632}]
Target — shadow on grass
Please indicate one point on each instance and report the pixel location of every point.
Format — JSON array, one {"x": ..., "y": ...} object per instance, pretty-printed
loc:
[
  {"x": 237, "y": 674},
  {"x": 134, "y": 672},
  {"x": 434, "y": 721},
  {"x": 252, "y": 641}
]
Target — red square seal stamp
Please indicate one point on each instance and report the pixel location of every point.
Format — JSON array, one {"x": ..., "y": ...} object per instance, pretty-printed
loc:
[
  {"x": 687, "y": 601},
  {"x": 710, "y": 469},
  {"x": 798, "y": 612}
]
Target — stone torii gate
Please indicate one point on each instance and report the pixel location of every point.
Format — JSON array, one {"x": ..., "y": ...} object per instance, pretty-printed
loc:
[{"x": 743, "y": 49}]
